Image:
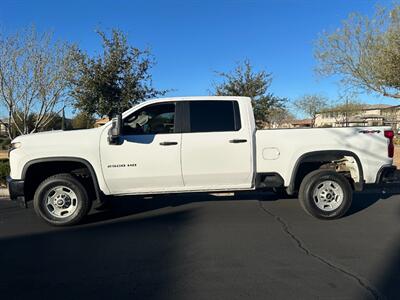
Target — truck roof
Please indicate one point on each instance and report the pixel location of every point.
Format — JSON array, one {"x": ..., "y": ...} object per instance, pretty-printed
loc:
[
  {"x": 199, "y": 98},
  {"x": 191, "y": 98}
]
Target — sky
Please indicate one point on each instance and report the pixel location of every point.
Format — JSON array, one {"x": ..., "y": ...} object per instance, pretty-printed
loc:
[{"x": 191, "y": 39}]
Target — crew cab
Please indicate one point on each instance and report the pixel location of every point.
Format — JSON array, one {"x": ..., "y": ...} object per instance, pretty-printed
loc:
[{"x": 195, "y": 144}]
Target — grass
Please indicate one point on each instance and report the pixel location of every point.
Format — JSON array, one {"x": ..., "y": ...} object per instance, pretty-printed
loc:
[{"x": 4, "y": 171}]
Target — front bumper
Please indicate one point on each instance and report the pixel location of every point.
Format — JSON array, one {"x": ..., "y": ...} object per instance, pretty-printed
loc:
[{"x": 15, "y": 188}]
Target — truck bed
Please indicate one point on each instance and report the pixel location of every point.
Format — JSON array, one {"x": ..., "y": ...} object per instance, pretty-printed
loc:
[{"x": 278, "y": 150}]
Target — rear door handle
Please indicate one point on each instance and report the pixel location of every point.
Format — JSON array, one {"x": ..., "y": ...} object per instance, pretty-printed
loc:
[
  {"x": 236, "y": 141},
  {"x": 168, "y": 143}
]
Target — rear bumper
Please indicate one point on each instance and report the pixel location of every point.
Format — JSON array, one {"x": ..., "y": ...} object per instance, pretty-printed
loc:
[
  {"x": 388, "y": 175},
  {"x": 15, "y": 188}
]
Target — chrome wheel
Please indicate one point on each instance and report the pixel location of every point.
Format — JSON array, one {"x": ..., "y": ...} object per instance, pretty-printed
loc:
[
  {"x": 328, "y": 195},
  {"x": 61, "y": 202}
]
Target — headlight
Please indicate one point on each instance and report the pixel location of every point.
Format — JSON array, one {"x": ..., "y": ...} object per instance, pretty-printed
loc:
[{"x": 15, "y": 145}]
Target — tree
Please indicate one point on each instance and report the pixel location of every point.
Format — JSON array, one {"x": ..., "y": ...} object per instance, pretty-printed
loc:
[
  {"x": 55, "y": 122},
  {"x": 343, "y": 111},
  {"x": 83, "y": 121},
  {"x": 311, "y": 105},
  {"x": 243, "y": 81},
  {"x": 346, "y": 110},
  {"x": 279, "y": 117},
  {"x": 114, "y": 81},
  {"x": 58, "y": 122},
  {"x": 34, "y": 74},
  {"x": 364, "y": 53}
]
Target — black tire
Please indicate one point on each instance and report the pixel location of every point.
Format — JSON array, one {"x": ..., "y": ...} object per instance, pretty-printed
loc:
[
  {"x": 82, "y": 201},
  {"x": 312, "y": 182}
]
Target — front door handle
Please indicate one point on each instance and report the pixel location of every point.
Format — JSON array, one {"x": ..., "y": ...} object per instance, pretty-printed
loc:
[
  {"x": 168, "y": 143},
  {"x": 236, "y": 141}
]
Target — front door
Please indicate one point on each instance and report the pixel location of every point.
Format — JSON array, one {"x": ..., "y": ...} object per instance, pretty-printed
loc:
[{"x": 148, "y": 160}]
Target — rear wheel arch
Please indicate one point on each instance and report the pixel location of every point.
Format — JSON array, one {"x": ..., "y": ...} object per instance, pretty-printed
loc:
[{"x": 314, "y": 160}]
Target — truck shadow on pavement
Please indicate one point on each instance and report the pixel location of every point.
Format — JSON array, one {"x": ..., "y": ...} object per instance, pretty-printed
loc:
[
  {"x": 362, "y": 201},
  {"x": 119, "y": 207},
  {"x": 125, "y": 259},
  {"x": 388, "y": 278},
  {"x": 130, "y": 250}
]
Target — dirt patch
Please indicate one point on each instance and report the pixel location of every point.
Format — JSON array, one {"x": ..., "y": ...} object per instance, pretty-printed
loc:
[
  {"x": 396, "y": 159},
  {"x": 3, "y": 154}
]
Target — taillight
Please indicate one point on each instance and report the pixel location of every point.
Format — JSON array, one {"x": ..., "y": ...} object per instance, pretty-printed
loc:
[{"x": 390, "y": 134}]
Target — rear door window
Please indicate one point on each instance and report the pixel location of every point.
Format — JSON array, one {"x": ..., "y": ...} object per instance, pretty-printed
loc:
[{"x": 214, "y": 116}]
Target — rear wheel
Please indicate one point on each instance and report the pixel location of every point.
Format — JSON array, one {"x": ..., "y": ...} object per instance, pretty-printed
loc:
[
  {"x": 61, "y": 200},
  {"x": 325, "y": 194}
]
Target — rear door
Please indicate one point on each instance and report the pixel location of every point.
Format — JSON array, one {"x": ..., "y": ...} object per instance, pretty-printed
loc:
[{"x": 216, "y": 146}]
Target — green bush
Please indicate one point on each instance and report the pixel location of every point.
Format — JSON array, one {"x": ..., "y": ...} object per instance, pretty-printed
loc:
[
  {"x": 4, "y": 143},
  {"x": 4, "y": 171}
]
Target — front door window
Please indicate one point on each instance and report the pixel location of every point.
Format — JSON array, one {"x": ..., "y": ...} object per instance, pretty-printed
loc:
[{"x": 152, "y": 119}]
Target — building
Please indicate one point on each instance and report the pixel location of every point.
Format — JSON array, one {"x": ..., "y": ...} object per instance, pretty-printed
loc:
[
  {"x": 368, "y": 115},
  {"x": 301, "y": 123}
]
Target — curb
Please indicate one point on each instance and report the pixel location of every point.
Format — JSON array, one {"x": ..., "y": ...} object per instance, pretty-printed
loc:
[{"x": 4, "y": 193}]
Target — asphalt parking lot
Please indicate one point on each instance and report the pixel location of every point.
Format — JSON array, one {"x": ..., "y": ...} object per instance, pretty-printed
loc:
[{"x": 250, "y": 246}]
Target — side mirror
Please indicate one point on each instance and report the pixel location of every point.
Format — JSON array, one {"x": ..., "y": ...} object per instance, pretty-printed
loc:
[{"x": 115, "y": 130}]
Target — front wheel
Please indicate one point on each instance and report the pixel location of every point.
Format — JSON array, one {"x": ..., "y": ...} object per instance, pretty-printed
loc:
[
  {"x": 325, "y": 194},
  {"x": 61, "y": 200}
]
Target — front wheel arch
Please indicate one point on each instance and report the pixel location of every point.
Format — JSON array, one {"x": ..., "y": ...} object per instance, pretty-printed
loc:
[{"x": 55, "y": 165}]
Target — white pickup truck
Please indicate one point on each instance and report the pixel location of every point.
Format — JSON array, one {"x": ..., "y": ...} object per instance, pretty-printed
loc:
[{"x": 195, "y": 144}]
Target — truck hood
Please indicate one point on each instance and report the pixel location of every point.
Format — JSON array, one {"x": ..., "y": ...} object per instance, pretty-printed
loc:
[{"x": 49, "y": 140}]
